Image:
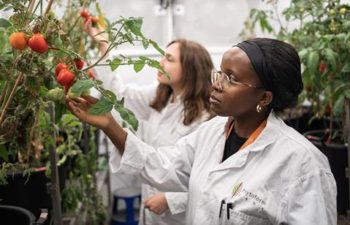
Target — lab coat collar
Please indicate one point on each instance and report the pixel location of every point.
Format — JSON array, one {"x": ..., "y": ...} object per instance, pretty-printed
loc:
[{"x": 266, "y": 137}]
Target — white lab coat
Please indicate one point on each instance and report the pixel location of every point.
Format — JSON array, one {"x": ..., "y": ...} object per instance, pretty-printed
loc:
[
  {"x": 156, "y": 129},
  {"x": 281, "y": 178}
]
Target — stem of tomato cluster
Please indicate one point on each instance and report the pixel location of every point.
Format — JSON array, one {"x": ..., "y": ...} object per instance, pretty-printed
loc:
[
  {"x": 48, "y": 7},
  {"x": 13, "y": 91},
  {"x": 3, "y": 93},
  {"x": 110, "y": 47}
]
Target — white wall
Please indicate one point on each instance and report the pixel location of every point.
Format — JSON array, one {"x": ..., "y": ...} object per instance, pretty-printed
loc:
[{"x": 216, "y": 24}]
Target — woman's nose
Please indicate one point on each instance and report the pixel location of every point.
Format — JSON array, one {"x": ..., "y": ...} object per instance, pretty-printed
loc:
[{"x": 217, "y": 86}]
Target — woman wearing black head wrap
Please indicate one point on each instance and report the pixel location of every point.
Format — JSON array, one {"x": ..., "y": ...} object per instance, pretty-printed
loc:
[{"x": 245, "y": 166}]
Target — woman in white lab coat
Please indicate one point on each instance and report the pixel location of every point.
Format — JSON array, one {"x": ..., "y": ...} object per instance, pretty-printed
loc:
[
  {"x": 167, "y": 110},
  {"x": 245, "y": 166}
]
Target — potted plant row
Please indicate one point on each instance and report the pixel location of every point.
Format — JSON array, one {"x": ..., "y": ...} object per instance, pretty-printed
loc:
[
  {"x": 43, "y": 57},
  {"x": 320, "y": 32}
]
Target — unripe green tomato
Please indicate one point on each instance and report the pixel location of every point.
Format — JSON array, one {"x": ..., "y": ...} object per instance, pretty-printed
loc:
[
  {"x": 56, "y": 94},
  {"x": 342, "y": 10}
]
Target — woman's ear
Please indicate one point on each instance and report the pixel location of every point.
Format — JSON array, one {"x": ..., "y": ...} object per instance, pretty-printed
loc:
[{"x": 266, "y": 99}]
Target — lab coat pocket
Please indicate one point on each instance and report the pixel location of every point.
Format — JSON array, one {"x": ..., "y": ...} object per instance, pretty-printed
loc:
[
  {"x": 247, "y": 208},
  {"x": 240, "y": 218}
]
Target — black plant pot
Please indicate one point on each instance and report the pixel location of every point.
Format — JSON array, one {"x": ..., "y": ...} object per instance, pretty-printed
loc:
[
  {"x": 306, "y": 122},
  {"x": 11, "y": 215},
  {"x": 30, "y": 193},
  {"x": 337, "y": 155}
]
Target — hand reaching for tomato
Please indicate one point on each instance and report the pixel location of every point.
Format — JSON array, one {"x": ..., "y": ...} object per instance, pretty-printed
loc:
[{"x": 79, "y": 107}]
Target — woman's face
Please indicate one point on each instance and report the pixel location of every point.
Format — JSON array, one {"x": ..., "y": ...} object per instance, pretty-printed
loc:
[
  {"x": 235, "y": 99},
  {"x": 171, "y": 64}
]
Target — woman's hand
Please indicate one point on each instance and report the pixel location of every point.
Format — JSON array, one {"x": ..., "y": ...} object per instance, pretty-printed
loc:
[
  {"x": 97, "y": 35},
  {"x": 80, "y": 106},
  {"x": 157, "y": 203}
]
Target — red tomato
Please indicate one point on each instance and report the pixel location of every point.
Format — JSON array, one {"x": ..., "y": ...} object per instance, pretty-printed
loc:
[
  {"x": 87, "y": 20},
  {"x": 60, "y": 67},
  {"x": 18, "y": 40},
  {"x": 84, "y": 13},
  {"x": 91, "y": 74},
  {"x": 94, "y": 19},
  {"x": 65, "y": 77},
  {"x": 37, "y": 43},
  {"x": 79, "y": 63},
  {"x": 322, "y": 67}
]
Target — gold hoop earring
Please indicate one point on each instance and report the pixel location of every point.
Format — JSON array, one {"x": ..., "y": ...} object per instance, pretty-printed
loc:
[{"x": 258, "y": 108}]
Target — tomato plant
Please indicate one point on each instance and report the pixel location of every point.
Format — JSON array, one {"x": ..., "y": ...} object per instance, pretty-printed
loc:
[{"x": 29, "y": 82}]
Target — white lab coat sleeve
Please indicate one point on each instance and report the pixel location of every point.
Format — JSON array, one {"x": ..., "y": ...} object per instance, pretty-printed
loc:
[
  {"x": 177, "y": 201},
  {"x": 166, "y": 168},
  {"x": 136, "y": 98},
  {"x": 311, "y": 200}
]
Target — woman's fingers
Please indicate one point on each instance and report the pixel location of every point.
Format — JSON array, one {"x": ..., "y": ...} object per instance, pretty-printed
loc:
[{"x": 90, "y": 99}]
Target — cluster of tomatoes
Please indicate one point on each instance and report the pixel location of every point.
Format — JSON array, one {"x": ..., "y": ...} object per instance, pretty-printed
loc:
[
  {"x": 20, "y": 41},
  {"x": 66, "y": 77},
  {"x": 88, "y": 18}
]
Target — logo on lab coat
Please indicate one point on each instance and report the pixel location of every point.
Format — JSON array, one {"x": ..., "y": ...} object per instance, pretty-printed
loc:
[{"x": 237, "y": 188}]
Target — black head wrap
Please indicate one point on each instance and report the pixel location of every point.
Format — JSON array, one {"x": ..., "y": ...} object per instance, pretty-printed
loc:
[
  {"x": 257, "y": 59},
  {"x": 277, "y": 65}
]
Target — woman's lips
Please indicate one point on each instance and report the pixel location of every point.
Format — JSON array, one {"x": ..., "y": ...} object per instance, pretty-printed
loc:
[{"x": 214, "y": 100}]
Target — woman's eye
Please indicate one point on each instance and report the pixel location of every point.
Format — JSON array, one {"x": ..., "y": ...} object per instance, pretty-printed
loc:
[{"x": 232, "y": 79}]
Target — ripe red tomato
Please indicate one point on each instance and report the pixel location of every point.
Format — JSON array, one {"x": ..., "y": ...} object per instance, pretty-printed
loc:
[
  {"x": 37, "y": 43},
  {"x": 91, "y": 74},
  {"x": 65, "y": 77},
  {"x": 322, "y": 67},
  {"x": 18, "y": 40},
  {"x": 84, "y": 13},
  {"x": 79, "y": 63},
  {"x": 94, "y": 19},
  {"x": 60, "y": 67}
]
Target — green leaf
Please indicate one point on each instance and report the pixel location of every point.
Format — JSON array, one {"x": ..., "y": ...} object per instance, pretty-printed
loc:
[
  {"x": 303, "y": 53},
  {"x": 347, "y": 93},
  {"x": 156, "y": 46},
  {"x": 145, "y": 43},
  {"x": 108, "y": 94},
  {"x": 115, "y": 63},
  {"x": 312, "y": 61},
  {"x": 138, "y": 66},
  {"x": 331, "y": 57},
  {"x": 5, "y": 23},
  {"x": 3, "y": 153},
  {"x": 82, "y": 85},
  {"x": 127, "y": 115},
  {"x": 338, "y": 107},
  {"x": 102, "y": 107},
  {"x": 154, "y": 63},
  {"x": 346, "y": 68},
  {"x": 134, "y": 24}
]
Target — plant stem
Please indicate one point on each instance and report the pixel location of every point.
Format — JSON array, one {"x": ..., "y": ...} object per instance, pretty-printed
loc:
[
  {"x": 3, "y": 93},
  {"x": 108, "y": 50},
  {"x": 29, "y": 10},
  {"x": 19, "y": 78},
  {"x": 48, "y": 7}
]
